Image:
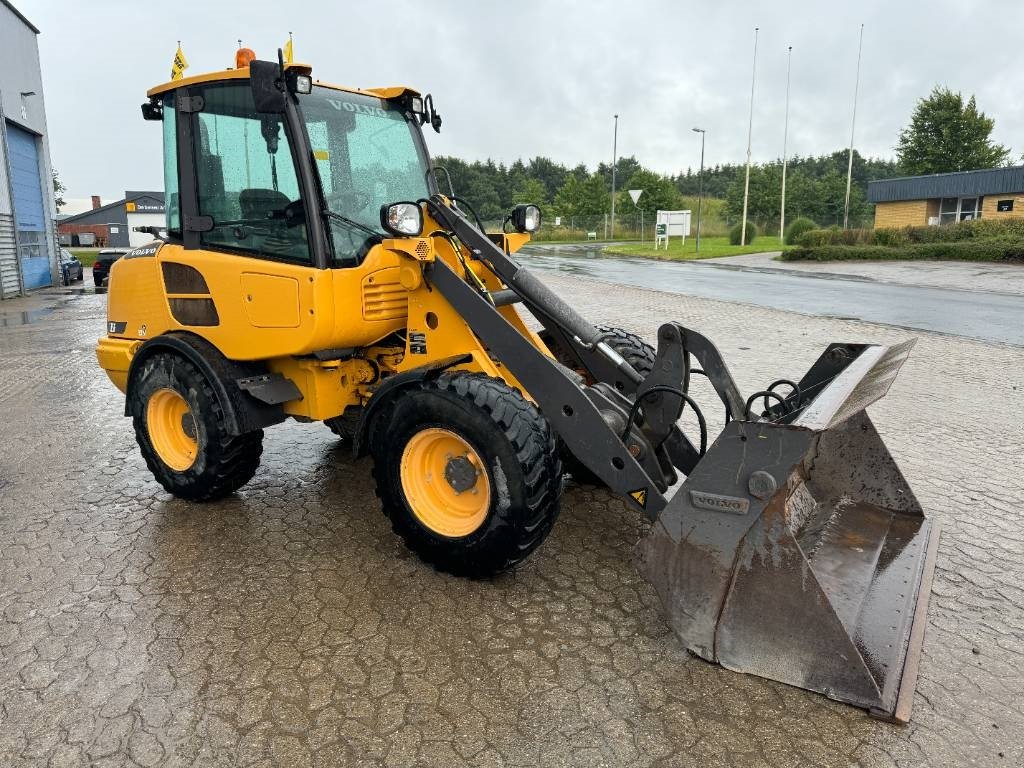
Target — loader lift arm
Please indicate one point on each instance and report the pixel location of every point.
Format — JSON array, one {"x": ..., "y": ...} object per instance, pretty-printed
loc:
[{"x": 591, "y": 420}]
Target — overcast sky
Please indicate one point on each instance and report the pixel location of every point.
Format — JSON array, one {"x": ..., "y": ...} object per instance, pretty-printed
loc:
[{"x": 520, "y": 79}]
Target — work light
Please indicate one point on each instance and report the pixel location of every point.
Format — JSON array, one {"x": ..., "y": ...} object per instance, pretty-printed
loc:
[
  {"x": 402, "y": 218},
  {"x": 525, "y": 218},
  {"x": 303, "y": 84}
]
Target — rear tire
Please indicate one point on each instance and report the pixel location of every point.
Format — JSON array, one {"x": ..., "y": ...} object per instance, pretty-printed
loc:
[
  {"x": 479, "y": 524},
  {"x": 180, "y": 428}
]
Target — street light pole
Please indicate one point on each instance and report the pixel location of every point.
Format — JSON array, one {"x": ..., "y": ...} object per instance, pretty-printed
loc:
[
  {"x": 615, "y": 155},
  {"x": 700, "y": 182},
  {"x": 853, "y": 123},
  {"x": 785, "y": 157},
  {"x": 750, "y": 134}
]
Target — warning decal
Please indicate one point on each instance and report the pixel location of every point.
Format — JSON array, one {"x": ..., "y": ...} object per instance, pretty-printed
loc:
[{"x": 640, "y": 497}]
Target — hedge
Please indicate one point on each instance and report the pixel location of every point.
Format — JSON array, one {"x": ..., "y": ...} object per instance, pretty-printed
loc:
[
  {"x": 970, "y": 250},
  {"x": 979, "y": 229}
]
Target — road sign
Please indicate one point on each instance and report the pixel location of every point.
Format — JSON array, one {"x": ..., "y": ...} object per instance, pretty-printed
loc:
[{"x": 635, "y": 194}]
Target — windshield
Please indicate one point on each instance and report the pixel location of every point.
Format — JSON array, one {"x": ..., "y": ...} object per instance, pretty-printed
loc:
[{"x": 368, "y": 154}]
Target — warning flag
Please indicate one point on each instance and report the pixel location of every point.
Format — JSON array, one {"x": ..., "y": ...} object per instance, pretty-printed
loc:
[
  {"x": 288, "y": 56},
  {"x": 179, "y": 65}
]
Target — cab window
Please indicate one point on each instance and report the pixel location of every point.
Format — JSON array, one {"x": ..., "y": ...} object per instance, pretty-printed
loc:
[{"x": 246, "y": 178}]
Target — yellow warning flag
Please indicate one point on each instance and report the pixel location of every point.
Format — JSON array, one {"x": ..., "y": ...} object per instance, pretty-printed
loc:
[
  {"x": 288, "y": 56},
  {"x": 179, "y": 65}
]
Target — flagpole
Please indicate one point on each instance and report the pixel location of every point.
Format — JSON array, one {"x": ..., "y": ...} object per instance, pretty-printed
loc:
[
  {"x": 853, "y": 123},
  {"x": 785, "y": 157},
  {"x": 750, "y": 134}
]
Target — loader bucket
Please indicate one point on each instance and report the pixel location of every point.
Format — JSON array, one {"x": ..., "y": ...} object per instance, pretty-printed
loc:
[{"x": 796, "y": 551}]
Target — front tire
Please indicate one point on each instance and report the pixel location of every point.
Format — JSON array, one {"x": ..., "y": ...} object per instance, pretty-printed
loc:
[
  {"x": 180, "y": 428},
  {"x": 468, "y": 473}
]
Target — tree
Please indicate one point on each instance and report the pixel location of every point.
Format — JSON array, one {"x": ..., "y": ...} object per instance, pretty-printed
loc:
[
  {"x": 947, "y": 135},
  {"x": 58, "y": 191},
  {"x": 659, "y": 193},
  {"x": 569, "y": 197}
]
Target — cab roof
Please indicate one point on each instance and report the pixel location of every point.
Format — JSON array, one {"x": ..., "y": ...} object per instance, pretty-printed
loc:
[{"x": 242, "y": 73}]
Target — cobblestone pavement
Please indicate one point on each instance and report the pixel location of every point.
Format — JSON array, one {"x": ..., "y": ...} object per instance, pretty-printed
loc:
[
  {"x": 960, "y": 275},
  {"x": 287, "y": 625}
]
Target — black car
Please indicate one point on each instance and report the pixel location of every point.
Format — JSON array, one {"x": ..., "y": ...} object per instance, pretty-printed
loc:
[
  {"x": 71, "y": 270},
  {"x": 104, "y": 260}
]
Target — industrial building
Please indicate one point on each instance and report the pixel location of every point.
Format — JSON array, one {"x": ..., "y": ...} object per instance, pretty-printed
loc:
[
  {"x": 944, "y": 198},
  {"x": 28, "y": 243},
  {"x": 113, "y": 225}
]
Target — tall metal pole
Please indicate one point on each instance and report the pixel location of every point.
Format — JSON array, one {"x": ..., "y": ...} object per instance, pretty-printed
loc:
[
  {"x": 785, "y": 157},
  {"x": 700, "y": 187},
  {"x": 853, "y": 123},
  {"x": 615, "y": 155},
  {"x": 750, "y": 134}
]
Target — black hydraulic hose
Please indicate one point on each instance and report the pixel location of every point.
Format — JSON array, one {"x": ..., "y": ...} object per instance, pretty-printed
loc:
[
  {"x": 460, "y": 201},
  {"x": 665, "y": 388},
  {"x": 765, "y": 393},
  {"x": 791, "y": 384}
]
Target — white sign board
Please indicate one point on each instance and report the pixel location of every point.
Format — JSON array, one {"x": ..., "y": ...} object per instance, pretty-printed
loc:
[
  {"x": 558, "y": 221},
  {"x": 676, "y": 224}
]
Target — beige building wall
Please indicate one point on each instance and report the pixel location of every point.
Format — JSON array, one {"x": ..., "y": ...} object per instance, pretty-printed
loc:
[
  {"x": 903, "y": 213},
  {"x": 991, "y": 202}
]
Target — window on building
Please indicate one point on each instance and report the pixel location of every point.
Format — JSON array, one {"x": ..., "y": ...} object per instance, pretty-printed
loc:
[
  {"x": 953, "y": 209},
  {"x": 246, "y": 177}
]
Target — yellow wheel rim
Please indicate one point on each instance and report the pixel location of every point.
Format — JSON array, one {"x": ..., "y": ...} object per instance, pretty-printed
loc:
[
  {"x": 445, "y": 482},
  {"x": 172, "y": 429}
]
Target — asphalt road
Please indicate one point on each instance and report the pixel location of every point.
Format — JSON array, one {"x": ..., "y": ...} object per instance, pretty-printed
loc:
[{"x": 994, "y": 317}]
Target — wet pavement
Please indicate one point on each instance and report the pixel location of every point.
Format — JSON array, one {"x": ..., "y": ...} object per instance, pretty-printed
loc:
[
  {"x": 287, "y": 626},
  {"x": 987, "y": 316}
]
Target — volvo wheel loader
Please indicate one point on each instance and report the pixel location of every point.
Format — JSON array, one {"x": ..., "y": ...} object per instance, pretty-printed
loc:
[{"x": 312, "y": 269}]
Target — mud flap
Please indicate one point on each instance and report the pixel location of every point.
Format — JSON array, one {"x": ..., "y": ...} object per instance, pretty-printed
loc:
[{"x": 796, "y": 550}]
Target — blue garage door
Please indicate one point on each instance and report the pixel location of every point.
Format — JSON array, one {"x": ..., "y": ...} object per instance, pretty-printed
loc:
[{"x": 33, "y": 249}]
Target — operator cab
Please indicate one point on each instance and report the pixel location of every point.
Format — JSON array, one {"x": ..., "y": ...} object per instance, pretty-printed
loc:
[{"x": 264, "y": 161}]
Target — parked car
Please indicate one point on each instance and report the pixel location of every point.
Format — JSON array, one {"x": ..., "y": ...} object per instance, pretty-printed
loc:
[
  {"x": 70, "y": 268},
  {"x": 104, "y": 260}
]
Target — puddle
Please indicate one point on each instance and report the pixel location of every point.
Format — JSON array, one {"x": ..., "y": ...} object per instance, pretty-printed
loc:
[{"x": 9, "y": 319}]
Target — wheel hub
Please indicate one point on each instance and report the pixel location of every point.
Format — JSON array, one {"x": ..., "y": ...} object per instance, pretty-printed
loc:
[
  {"x": 444, "y": 482},
  {"x": 460, "y": 473},
  {"x": 172, "y": 429}
]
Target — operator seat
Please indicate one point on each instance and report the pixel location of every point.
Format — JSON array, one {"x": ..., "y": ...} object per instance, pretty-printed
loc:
[{"x": 267, "y": 206}]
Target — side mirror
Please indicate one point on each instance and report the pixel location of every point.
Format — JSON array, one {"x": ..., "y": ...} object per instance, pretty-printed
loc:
[
  {"x": 402, "y": 219},
  {"x": 267, "y": 89},
  {"x": 434, "y": 115}
]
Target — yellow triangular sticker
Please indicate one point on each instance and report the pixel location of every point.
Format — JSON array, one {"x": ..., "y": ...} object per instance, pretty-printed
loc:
[{"x": 640, "y": 497}]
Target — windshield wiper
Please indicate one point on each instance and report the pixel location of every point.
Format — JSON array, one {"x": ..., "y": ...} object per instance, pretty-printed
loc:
[{"x": 350, "y": 222}]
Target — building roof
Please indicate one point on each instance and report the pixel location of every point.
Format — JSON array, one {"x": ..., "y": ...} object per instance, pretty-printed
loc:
[
  {"x": 995, "y": 181},
  {"x": 110, "y": 206},
  {"x": 21, "y": 16}
]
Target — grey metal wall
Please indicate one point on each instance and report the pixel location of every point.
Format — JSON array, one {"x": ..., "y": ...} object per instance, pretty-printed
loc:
[
  {"x": 10, "y": 284},
  {"x": 20, "y": 72}
]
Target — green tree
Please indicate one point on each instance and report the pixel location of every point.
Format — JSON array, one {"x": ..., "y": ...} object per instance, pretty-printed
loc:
[
  {"x": 594, "y": 196},
  {"x": 659, "y": 193},
  {"x": 945, "y": 135},
  {"x": 529, "y": 190},
  {"x": 568, "y": 199}
]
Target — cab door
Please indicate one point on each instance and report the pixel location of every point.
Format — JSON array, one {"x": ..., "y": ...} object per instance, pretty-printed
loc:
[{"x": 247, "y": 236}]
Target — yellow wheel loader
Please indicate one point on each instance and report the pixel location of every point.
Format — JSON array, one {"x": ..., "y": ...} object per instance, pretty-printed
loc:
[{"x": 312, "y": 269}]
